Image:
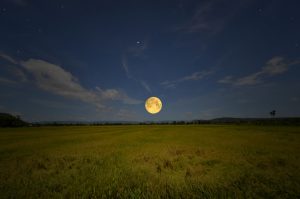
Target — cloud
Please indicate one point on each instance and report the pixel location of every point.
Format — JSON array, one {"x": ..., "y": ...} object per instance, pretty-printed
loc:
[
  {"x": 125, "y": 66},
  {"x": 8, "y": 58},
  {"x": 168, "y": 84},
  {"x": 15, "y": 71},
  {"x": 211, "y": 16},
  {"x": 114, "y": 94},
  {"x": 20, "y": 75},
  {"x": 252, "y": 79},
  {"x": 196, "y": 76},
  {"x": 129, "y": 76},
  {"x": 54, "y": 79},
  {"x": 202, "y": 20},
  {"x": 193, "y": 77},
  {"x": 135, "y": 51},
  {"x": 275, "y": 66},
  {"x": 146, "y": 86},
  {"x": 226, "y": 80}
]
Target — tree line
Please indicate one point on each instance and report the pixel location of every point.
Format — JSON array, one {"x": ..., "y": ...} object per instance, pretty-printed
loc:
[{"x": 8, "y": 120}]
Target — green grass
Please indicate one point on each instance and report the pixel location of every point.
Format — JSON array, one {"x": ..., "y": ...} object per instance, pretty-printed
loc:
[{"x": 206, "y": 161}]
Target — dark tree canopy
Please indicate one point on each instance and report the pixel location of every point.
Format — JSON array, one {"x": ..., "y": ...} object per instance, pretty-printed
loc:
[
  {"x": 8, "y": 120},
  {"x": 273, "y": 113}
]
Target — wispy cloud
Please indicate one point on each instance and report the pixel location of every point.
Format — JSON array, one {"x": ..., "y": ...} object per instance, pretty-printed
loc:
[
  {"x": 202, "y": 20},
  {"x": 193, "y": 77},
  {"x": 136, "y": 50},
  {"x": 19, "y": 74},
  {"x": 13, "y": 69},
  {"x": 115, "y": 94},
  {"x": 275, "y": 66},
  {"x": 252, "y": 79},
  {"x": 8, "y": 58},
  {"x": 211, "y": 16},
  {"x": 146, "y": 86},
  {"x": 125, "y": 66},
  {"x": 54, "y": 79},
  {"x": 226, "y": 80}
]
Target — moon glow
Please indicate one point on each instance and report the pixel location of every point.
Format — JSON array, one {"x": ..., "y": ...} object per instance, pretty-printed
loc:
[{"x": 153, "y": 105}]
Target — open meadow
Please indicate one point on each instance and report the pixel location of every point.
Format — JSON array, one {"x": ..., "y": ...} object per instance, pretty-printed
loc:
[{"x": 150, "y": 161}]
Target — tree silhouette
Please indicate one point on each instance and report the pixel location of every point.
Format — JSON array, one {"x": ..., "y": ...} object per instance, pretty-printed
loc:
[
  {"x": 8, "y": 120},
  {"x": 273, "y": 113}
]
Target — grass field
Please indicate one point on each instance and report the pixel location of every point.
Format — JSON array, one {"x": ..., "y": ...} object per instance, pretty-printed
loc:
[{"x": 205, "y": 161}]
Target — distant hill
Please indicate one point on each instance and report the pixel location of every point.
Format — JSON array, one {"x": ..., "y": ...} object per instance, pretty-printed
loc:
[
  {"x": 8, "y": 120},
  {"x": 257, "y": 121},
  {"x": 223, "y": 120}
]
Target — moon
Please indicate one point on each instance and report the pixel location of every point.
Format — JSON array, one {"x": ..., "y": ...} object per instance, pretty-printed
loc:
[{"x": 153, "y": 105}]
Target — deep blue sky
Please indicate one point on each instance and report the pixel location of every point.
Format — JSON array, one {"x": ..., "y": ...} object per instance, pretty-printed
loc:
[{"x": 100, "y": 60}]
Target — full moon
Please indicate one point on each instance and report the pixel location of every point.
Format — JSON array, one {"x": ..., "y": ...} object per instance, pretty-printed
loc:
[{"x": 153, "y": 105}]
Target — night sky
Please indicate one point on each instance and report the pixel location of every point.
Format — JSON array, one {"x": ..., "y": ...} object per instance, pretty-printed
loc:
[{"x": 100, "y": 60}]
